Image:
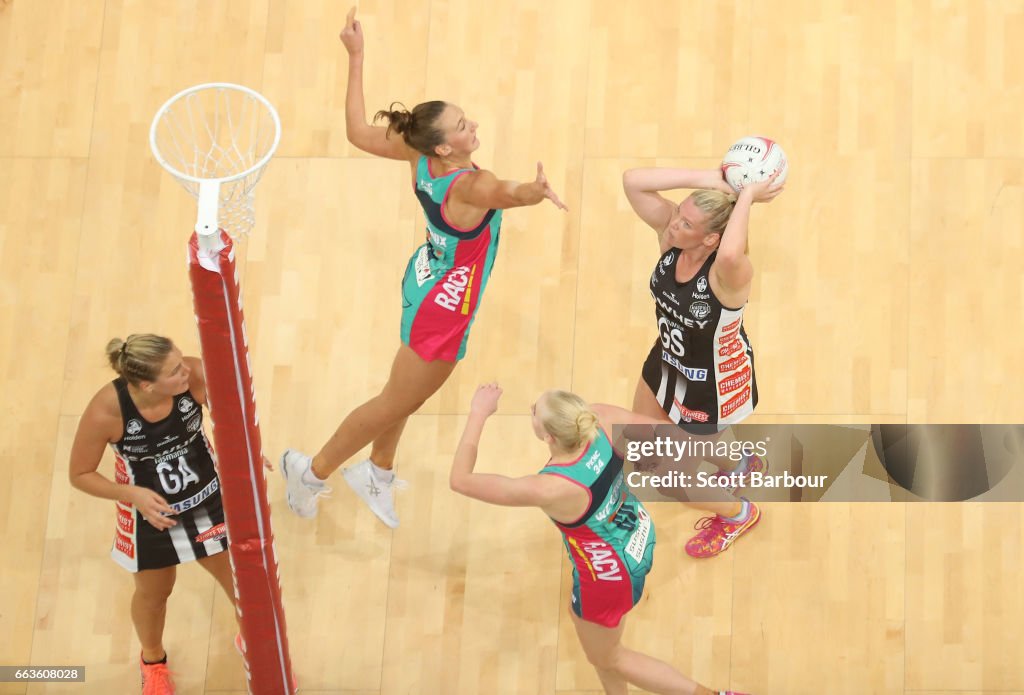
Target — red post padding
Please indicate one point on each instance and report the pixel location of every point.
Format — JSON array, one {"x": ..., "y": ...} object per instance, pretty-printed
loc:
[{"x": 236, "y": 436}]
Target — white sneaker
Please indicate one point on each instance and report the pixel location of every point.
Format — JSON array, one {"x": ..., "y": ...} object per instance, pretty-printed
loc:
[
  {"x": 302, "y": 497},
  {"x": 379, "y": 497}
]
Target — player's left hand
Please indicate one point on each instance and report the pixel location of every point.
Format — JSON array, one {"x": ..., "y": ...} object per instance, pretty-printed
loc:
[
  {"x": 485, "y": 400},
  {"x": 549, "y": 192},
  {"x": 765, "y": 191}
]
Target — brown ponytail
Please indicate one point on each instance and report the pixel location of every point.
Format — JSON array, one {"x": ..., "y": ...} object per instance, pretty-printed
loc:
[{"x": 417, "y": 127}]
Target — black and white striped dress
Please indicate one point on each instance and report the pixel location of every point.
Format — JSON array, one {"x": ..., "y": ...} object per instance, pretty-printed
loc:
[{"x": 173, "y": 458}]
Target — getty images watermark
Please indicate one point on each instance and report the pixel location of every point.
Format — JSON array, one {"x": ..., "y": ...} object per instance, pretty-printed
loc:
[
  {"x": 670, "y": 461},
  {"x": 824, "y": 462}
]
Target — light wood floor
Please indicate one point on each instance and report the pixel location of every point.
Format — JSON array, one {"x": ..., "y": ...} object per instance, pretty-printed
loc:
[{"x": 888, "y": 288}]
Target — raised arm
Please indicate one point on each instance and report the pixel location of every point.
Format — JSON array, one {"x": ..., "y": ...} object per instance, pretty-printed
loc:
[
  {"x": 368, "y": 138},
  {"x": 642, "y": 188},
  {"x": 528, "y": 491},
  {"x": 484, "y": 190},
  {"x": 732, "y": 268}
]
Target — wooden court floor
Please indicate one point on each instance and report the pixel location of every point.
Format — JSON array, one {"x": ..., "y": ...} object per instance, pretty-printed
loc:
[{"x": 888, "y": 289}]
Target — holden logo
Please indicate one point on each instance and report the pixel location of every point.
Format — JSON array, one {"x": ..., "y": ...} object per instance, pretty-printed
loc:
[
  {"x": 700, "y": 310},
  {"x": 702, "y": 284},
  {"x": 134, "y": 426},
  {"x": 185, "y": 405}
]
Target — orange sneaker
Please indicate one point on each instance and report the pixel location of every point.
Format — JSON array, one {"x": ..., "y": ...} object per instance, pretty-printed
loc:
[
  {"x": 156, "y": 678},
  {"x": 717, "y": 533}
]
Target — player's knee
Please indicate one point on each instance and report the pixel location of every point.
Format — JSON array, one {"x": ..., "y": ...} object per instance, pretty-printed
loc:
[
  {"x": 399, "y": 405},
  {"x": 153, "y": 595},
  {"x": 606, "y": 659}
]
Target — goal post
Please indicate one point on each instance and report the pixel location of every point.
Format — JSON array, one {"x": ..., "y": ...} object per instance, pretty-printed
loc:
[{"x": 216, "y": 139}]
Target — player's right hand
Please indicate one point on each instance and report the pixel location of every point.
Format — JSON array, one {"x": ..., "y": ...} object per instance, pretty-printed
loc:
[
  {"x": 153, "y": 508},
  {"x": 485, "y": 400},
  {"x": 352, "y": 34}
]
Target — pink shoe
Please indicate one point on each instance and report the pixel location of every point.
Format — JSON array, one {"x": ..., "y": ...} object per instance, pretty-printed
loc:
[{"x": 717, "y": 533}]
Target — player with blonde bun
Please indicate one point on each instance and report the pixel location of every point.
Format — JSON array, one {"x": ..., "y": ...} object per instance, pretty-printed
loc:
[
  {"x": 608, "y": 534},
  {"x": 166, "y": 488},
  {"x": 699, "y": 374}
]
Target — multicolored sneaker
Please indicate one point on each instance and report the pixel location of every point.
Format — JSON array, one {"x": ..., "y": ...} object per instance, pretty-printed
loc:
[
  {"x": 752, "y": 464},
  {"x": 156, "y": 678},
  {"x": 717, "y": 533}
]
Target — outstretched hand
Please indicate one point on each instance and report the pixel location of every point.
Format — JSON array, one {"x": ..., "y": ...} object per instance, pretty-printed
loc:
[
  {"x": 765, "y": 191},
  {"x": 485, "y": 400},
  {"x": 352, "y": 34},
  {"x": 549, "y": 193}
]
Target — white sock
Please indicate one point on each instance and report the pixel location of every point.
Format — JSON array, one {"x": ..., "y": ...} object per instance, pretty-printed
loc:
[
  {"x": 309, "y": 478},
  {"x": 742, "y": 516},
  {"x": 382, "y": 475},
  {"x": 742, "y": 466}
]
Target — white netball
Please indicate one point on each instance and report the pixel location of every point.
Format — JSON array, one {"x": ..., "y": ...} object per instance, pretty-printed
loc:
[{"x": 753, "y": 159}]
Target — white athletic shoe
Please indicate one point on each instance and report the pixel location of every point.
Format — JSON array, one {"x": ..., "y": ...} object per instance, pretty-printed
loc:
[
  {"x": 379, "y": 497},
  {"x": 302, "y": 496}
]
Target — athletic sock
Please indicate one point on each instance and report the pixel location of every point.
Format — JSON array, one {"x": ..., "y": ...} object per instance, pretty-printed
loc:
[
  {"x": 381, "y": 475},
  {"x": 742, "y": 516},
  {"x": 309, "y": 478},
  {"x": 154, "y": 663}
]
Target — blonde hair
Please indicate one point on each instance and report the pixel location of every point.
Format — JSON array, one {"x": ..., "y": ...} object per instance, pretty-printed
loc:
[
  {"x": 140, "y": 357},
  {"x": 717, "y": 207},
  {"x": 568, "y": 419}
]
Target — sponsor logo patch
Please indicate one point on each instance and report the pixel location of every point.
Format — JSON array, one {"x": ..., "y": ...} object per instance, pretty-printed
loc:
[
  {"x": 700, "y": 310},
  {"x": 124, "y": 545},
  {"x": 732, "y": 364},
  {"x": 702, "y": 284},
  {"x": 423, "y": 271},
  {"x": 734, "y": 382},
  {"x": 194, "y": 424},
  {"x": 735, "y": 403},
  {"x": 214, "y": 534},
  {"x": 694, "y": 374},
  {"x": 638, "y": 541},
  {"x": 458, "y": 282},
  {"x": 133, "y": 426},
  {"x": 691, "y": 415},
  {"x": 666, "y": 262},
  {"x": 125, "y": 520},
  {"x": 604, "y": 564},
  {"x": 730, "y": 349},
  {"x": 186, "y": 404}
]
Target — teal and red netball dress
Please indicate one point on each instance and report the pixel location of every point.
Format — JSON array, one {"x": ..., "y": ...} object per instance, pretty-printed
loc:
[
  {"x": 446, "y": 277},
  {"x": 612, "y": 544}
]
